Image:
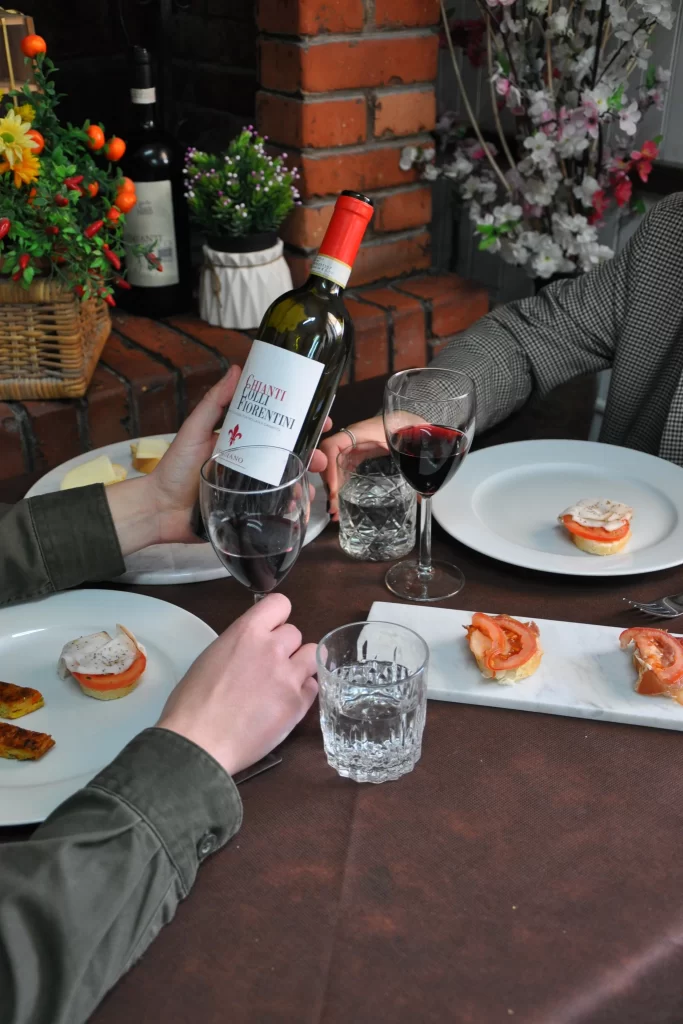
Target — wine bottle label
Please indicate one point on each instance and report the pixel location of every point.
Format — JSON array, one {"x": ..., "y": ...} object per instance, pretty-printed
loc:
[
  {"x": 332, "y": 269},
  {"x": 143, "y": 95},
  {"x": 150, "y": 222},
  {"x": 269, "y": 407}
]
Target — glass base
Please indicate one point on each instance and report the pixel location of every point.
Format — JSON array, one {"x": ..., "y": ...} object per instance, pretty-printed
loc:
[{"x": 405, "y": 580}]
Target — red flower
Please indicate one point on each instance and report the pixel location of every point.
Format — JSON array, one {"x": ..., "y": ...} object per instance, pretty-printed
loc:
[
  {"x": 643, "y": 159},
  {"x": 600, "y": 204},
  {"x": 622, "y": 191}
]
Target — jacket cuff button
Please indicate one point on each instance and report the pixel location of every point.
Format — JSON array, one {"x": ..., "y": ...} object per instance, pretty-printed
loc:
[{"x": 206, "y": 845}]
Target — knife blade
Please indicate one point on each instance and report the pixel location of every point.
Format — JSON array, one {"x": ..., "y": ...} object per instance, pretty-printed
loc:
[{"x": 269, "y": 761}]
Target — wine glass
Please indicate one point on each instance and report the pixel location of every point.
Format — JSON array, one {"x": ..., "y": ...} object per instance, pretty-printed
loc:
[
  {"x": 255, "y": 528},
  {"x": 429, "y": 418}
]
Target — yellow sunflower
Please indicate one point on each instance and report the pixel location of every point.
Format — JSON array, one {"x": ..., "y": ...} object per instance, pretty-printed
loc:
[
  {"x": 14, "y": 137},
  {"x": 25, "y": 170},
  {"x": 26, "y": 112}
]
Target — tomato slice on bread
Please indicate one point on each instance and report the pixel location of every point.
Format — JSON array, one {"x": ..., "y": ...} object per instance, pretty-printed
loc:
[
  {"x": 596, "y": 532},
  {"x": 114, "y": 680},
  {"x": 513, "y": 643},
  {"x": 659, "y": 659}
]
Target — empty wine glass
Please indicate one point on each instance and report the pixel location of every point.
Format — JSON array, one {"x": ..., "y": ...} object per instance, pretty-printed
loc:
[
  {"x": 429, "y": 418},
  {"x": 256, "y": 529}
]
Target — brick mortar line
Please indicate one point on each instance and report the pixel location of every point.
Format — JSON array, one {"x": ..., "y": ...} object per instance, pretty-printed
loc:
[
  {"x": 389, "y": 317},
  {"x": 303, "y": 41},
  {"x": 82, "y": 423},
  {"x": 373, "y": 146},
  {"x": 426, "y": 306},
  {"x": 223, "y": 360},
  {"x": 180, "y": 390},
  {"x": 357, "y": 92},
  {"x": 130, "y": 398},
  {"x": 26, "y": 436},
  {"x": 372, "y": 243},
  {"x": 375, "y": 193}
]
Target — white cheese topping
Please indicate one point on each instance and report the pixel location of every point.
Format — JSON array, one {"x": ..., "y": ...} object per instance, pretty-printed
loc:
[
  {"x": 99, "y": 655},
  {"x": 600, "y": 513}
]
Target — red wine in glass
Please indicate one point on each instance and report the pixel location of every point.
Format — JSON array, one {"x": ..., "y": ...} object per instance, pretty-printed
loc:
[
  {"x": 258, "y": 550},
  {"x": 428, "y": 455}
]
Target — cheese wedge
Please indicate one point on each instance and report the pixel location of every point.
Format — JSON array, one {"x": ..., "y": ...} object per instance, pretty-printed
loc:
[
  {"x": 148, "y": 452},
  {"x": 97, "y": 471}
]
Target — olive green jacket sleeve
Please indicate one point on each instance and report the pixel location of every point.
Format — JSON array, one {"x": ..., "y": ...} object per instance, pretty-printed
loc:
[
  {"x": 56, "y": 541},
  {"x": 83, "y": 898}
]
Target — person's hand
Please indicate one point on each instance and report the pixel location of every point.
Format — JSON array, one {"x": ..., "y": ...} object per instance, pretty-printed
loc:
[
  {"x": 158, "y": 509},
  {"x": 245, "y": 693},
  {"x": 367, "y": 430}
]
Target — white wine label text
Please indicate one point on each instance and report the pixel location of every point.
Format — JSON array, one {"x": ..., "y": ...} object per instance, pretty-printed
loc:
[
  {"x": 269, "y": 407},
  {"x": 332, "y": 269}
]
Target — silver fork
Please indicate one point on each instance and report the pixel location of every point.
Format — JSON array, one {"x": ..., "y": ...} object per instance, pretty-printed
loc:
[{"x": 664, "y": 608}]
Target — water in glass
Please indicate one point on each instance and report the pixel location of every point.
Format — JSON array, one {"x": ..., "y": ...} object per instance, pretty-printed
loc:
[
  {"x": 377, "y": 508},
  {"x": 372, "y": 709}
]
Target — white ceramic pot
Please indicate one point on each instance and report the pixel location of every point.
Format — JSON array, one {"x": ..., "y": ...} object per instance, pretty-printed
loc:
[{"x": 240, "y": 278}]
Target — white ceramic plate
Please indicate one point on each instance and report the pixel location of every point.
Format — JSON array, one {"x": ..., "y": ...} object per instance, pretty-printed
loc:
[
  {"x": 583, "y": 673},
  {"x": 505, "y": 500},
  {"x": 171, "y": 563},
  {"x": 88, "y": 733}
]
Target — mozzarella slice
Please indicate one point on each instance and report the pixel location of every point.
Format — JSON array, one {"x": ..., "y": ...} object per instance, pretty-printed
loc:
[
  {"x": 99, "y": 654},
  {"x": 96, "y": 471}
]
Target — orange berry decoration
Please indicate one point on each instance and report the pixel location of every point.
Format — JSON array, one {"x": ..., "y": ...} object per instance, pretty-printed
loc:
[
  {"x": 32, "y": 45},
  {"x": 125, "y": 201},
  {"x": 127, "y": 185},
  {"x": 115, "y": 148},
  {"x": 38, "y": 141},
  {"x": 92, "y": 188},
  {"x": 95, "y": 137},
  {"x": 113, "y": 215}
]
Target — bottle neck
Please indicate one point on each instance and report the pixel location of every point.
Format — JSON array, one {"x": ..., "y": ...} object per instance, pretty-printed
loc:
[
  {"x": 323, "y": 285},
  {"x": 144, "y": 106}
]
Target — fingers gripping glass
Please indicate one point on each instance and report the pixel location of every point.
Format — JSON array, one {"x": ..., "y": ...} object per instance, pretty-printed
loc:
[
  {"x": 256, "y": 529},
  {"x": 429, "y": 418}
]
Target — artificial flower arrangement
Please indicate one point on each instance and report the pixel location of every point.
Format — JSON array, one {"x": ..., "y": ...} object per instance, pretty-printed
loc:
[
  {"x": 243, "y": 191},
  {"x": 63, "y": 201},
  {"x": 559, "y": 77}
]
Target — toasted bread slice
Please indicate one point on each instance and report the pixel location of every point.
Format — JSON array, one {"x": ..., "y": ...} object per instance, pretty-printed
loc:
[
  {"x": 23, "y": 744},
  {"x": 148, "y": 452},
  {"x": 599, "y": 547},
  {"x": 16, "y": 701}
]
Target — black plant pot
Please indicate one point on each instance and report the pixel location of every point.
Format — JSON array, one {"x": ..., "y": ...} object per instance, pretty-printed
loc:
[{"x": 246, "y": 243}]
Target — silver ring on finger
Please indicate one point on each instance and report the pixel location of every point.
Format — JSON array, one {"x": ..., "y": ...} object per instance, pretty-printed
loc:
[{"x": 345, "y": 430}]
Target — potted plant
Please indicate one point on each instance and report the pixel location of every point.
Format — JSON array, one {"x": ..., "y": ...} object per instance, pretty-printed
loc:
[
  {"x": 239, "y": 199},
  {"x": 559, "y": 76},
  {"x": 62, "y": 207}
]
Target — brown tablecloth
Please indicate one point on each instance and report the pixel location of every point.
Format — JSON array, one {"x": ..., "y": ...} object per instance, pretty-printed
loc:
[{"x": 527, "y": 870}]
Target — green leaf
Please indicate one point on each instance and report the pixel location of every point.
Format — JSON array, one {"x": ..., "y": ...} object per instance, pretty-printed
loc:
[
  {"x": 638, "y": 206},
  {"x": 651, "y": 77},
  {"x": 486, "y": 243},
  {"x": 29, "y": 274},
  {"x": 504, "y": 63},
  {"x": 486, "y": 229},
  {"x": 615, "y": 100},
  {"x": 658, "y": 140}
]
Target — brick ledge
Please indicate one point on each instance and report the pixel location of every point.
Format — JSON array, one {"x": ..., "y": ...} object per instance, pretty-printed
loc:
[{"x": 152, "y": 374}]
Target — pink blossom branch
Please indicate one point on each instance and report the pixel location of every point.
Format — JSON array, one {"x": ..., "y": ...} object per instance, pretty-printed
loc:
[
  {"x": 468, "y": 106},
  {"x": 494, "y": 104}
]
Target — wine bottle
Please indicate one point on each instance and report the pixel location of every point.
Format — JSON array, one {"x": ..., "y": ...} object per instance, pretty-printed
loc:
[
  {"x": 154, "y": 161},
  {"x": 294, "y": 366}
]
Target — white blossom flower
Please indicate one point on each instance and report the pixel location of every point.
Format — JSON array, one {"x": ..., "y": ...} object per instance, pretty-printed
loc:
[
  {"x": 583, "y": 64},
  {"x": 540, "y": 149},
  {"x": 549, "y": 259},
  {"x": 507, "y": 213},
  {"x": 428, "y": 154},
  {"x": 538, "y": 6},
  {"x": 531, "y": 239},
  {"x": 488, "y": 190},
  {"x": 660, "y": 10},
  {"x": 597, "y": 98},
  {"x": 586, "y": 190},
  {"x": 629, "y": 118},
  {"x": 538, "y": 105},
  {"x": 539, "y": 193},
  {"x": 558, "y": 22},
  {"x": 662, "y": 76},
  {"x": 459, "y": 168},
  {"x": 617, "y": 13},
  {"x": 626, "y": 31},
  {"x": 409, "y": 155},
  {"x": 430, "y": 172},
  {"x": 468, "y": 189},
  {"x": 514, "y": 252}
]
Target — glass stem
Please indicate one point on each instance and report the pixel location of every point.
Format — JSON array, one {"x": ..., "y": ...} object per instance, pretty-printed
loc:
[
  {"x": 425, "y": 538},
  {"x": 258, "y": 597}
]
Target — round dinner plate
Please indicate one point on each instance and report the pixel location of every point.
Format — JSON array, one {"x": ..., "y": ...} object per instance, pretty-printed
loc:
[
  {"x": 88, "y": 733},
  {"x": 171, "y": 563},
  {"x": 505, "y": 500}
]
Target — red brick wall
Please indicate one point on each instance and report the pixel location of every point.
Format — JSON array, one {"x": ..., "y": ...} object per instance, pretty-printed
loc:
[{"x": 344, "y": 86}]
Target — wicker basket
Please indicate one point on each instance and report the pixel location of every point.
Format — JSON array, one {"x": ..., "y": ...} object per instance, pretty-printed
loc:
[{"x": 50, "y": 341}]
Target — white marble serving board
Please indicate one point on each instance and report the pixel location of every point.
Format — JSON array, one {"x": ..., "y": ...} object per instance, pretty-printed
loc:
[{"x": 583, "y": 674}]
